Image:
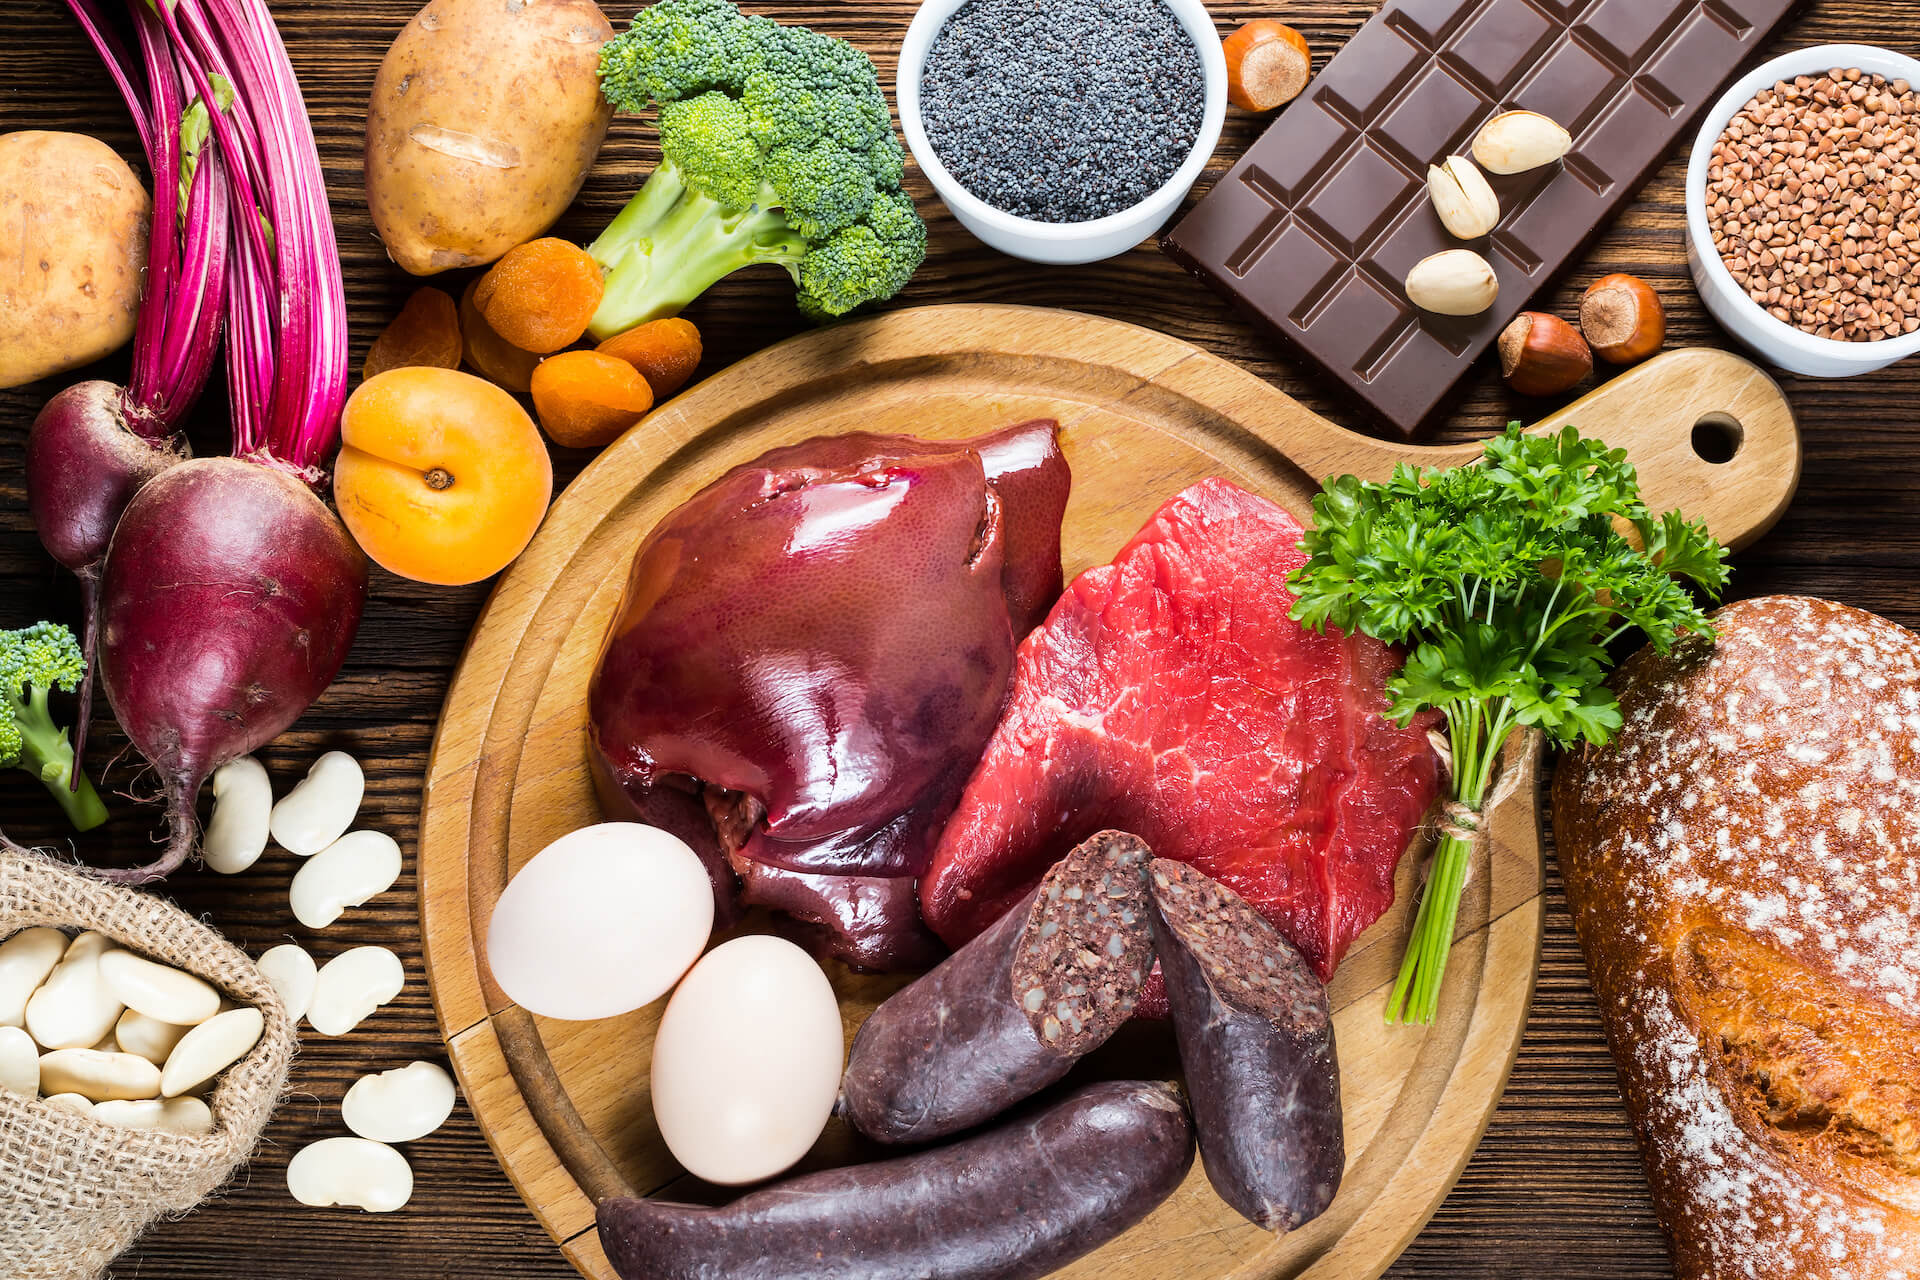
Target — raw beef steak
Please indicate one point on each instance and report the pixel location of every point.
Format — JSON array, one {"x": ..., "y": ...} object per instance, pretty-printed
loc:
[{"x": 1168, "y": 694}]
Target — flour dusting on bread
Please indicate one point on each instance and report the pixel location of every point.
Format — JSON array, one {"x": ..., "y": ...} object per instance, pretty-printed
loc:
[{"x": 1744, "y": 868}]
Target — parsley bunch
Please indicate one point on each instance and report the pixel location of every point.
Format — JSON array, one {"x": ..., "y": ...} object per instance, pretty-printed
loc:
[{"x": 1506, "y": 581}]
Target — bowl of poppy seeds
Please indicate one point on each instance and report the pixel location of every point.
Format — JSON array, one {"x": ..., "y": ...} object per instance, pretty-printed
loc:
[{"x": 1062, "y": 132}]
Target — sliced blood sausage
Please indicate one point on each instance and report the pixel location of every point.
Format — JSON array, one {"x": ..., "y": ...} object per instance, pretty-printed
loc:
[
  {"x": 1010, "y": 1012},
  {"x": 1256, "y": 1041},
  {"x": 1013, "y": 1203}
]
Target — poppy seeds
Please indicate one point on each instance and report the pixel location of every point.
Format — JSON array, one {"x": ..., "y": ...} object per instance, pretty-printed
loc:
[{"x": 1062, "y": 113}]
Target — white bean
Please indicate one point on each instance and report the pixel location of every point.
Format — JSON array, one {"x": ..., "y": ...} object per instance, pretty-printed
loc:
[
  {"x": 400, "y": 1105},
  {"x": 19, "y": 1062},
  {"x": 73, "y": 1102},
  {"x": 345, "y": 874},
  {"x": 172, "y": 1115},
  {"x": 103, "y": 1077},
  {"x": 352, "y": 985},
  {"x": 186, "y": 1115},
  {"x": 242, "y": 806},
  {"x": 291, "y": 971},
  {"x": 151, "y": 1038},
  {"x": 158, "y": 990},
  {"x": 318, "y": 811},
  {"x": 211, "y": 1048},
  {"x": 25, "y": 961},
  {"x": 350, "y": 1171},
  {"x": 73, "y": 1008}
]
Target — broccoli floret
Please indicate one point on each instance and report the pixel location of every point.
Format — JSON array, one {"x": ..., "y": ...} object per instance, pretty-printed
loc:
[
  {"x": 35, "y": 661},
  {"x": 677, "y": 50},
  {"x": 777, "y": 146},
  {"x": 873, "y": 259}
]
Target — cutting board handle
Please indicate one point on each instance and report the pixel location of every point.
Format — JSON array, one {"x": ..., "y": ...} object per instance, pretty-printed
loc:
[{"x": 1709, "y": 432}]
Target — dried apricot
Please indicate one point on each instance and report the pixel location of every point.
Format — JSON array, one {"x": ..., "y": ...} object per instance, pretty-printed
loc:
[
  {"x": 426, "y": 334},
  {"x": 495, "y": 358},
  {"x": 541, "y": 294},
  {"x": 666, "y": 352},
  {"x": 586, "y": 399}
]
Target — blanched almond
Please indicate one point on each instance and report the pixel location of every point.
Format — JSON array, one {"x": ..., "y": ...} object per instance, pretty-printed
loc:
[
  {"x": 1516, "y": 141},
  {"x": 1466, "y": 204},
  {"x": 1458, "y": 282}
]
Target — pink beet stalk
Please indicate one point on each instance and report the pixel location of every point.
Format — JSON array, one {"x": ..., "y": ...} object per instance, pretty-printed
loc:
[{"x": 231, "y": 592}]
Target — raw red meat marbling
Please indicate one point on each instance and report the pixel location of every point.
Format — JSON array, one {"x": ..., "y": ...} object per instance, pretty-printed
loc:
[
  {"x": 810, "y": 656},
  {"x": 1168, "y": 694}
]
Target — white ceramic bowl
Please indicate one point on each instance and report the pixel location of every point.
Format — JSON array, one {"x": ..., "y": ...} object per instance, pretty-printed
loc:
[
  {"x": 1061, "y": 242},
  {"x": 1776, "y": 340}
]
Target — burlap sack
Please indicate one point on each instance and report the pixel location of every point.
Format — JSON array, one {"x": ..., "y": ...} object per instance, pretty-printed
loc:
[{"x": 75, "y": 1192}]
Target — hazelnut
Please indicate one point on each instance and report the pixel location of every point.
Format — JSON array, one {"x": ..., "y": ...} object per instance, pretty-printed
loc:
[
  {"x": 1622, "y": 319},
  {"x": 1466, "y": 204},
  {"x": 1542, "y": 355},
  {"x": 1268, "y": 64},
  {"x": 1457, "y": 282},
  {"x": 1516, "y": 141}
]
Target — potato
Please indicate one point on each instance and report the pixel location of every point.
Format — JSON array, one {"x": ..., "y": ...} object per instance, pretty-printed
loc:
[
  {"x": 73, "y": 250},
  {"x": 485, "y": 117}
]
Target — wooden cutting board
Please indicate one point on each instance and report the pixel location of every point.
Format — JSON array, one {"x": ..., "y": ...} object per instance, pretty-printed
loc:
[{"x": 566, "y": 1105}]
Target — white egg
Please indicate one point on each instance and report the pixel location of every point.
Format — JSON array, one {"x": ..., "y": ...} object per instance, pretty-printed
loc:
[
  {"x": 600, "y": 922},
  {"x": 746, "y": 1064}
]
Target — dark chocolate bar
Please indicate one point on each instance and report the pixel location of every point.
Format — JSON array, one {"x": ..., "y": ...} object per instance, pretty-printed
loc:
[{"x": 1313, "y": 231}]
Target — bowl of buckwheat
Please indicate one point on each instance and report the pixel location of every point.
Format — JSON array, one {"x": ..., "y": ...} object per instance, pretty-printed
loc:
[{"x": 1803, "y": 210}]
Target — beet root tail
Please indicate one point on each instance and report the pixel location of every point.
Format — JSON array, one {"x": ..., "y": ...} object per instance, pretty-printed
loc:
[
  {"x": 89, "y": 650},
  {"x": 183, "y": 832}
]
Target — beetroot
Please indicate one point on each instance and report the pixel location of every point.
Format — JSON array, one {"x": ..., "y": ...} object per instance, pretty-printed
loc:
[
  {"x": 230, "y": 600},
  {"x": 89, "y": 466},
  {"x": 95, "y": 444},
  {"x": 83, "y": 467},
  {"x": 813, "y": 650},
  {"x": 230, "y": 592}
]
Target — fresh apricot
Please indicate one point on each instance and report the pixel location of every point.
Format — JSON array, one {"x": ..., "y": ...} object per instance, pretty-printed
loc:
[
  {"x": 493, "y": 356},
  {"x": 666, "y": 352},
  {"x": 540, "y": 295},
  {"x": 586, "y": 399},
  {"x": 442, "y": 477},
  {"x": 426, "y": 332}
]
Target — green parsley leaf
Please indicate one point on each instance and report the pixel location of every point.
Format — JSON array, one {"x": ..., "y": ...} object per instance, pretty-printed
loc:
[{"x": 1506, "y": 581}]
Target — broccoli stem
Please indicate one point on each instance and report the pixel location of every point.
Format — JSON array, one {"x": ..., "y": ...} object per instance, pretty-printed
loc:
[
  {"x": 672, "y": 242},
  {"x": 48, "y": 756}
]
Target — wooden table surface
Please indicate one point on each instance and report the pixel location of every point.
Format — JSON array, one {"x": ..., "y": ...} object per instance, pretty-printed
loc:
[{"x": 1554, "y": 1190}]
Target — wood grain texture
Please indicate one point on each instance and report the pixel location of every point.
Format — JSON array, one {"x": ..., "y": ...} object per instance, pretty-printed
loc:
[{"x": 1555, "y": 1187}]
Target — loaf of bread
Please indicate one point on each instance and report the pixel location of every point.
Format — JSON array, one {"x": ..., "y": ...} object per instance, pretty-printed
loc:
[{"x": 1743, "y": 865}]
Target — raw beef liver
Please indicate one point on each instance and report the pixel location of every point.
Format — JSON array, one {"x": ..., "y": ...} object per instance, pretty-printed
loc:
[
  {"x": 1168, "y": 694},
  {"x": 810, "y": 655}
]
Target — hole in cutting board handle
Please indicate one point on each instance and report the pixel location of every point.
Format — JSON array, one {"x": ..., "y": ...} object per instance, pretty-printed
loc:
[{"x": 1717, "y": 437}]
